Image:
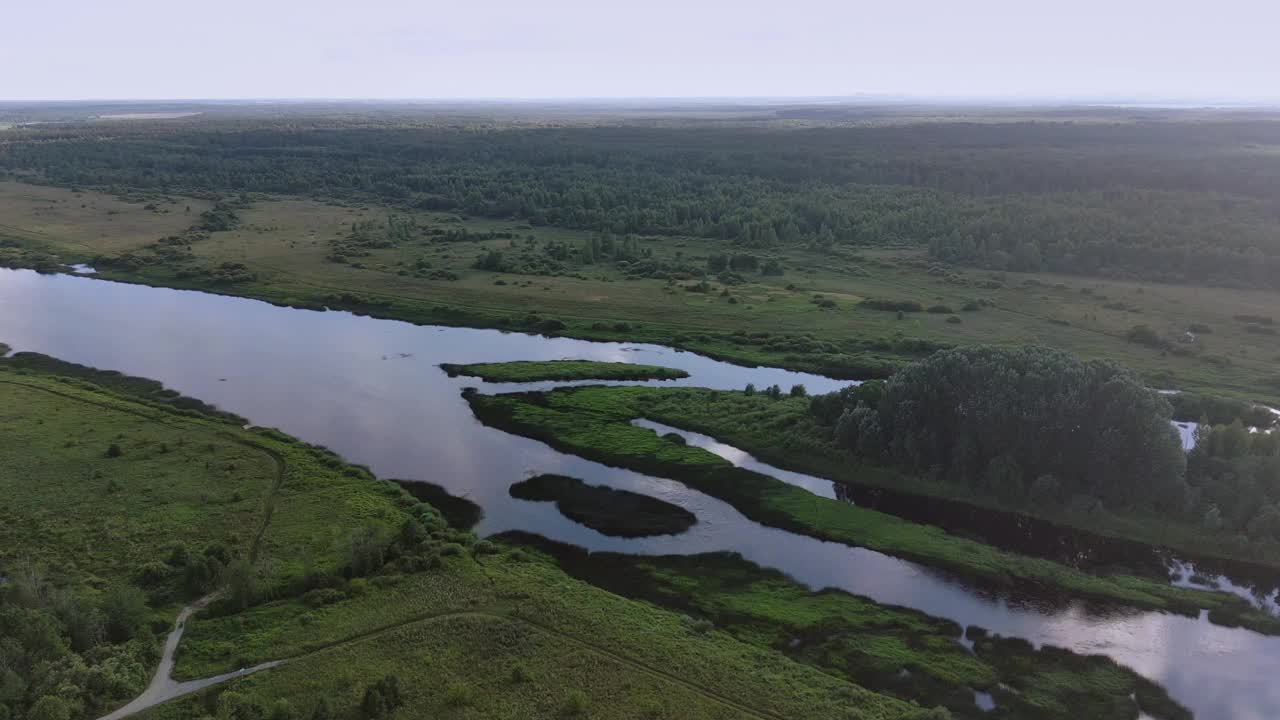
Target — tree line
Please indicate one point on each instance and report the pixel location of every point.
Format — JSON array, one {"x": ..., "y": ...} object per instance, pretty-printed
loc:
[{"x": 1160, "y": 201}]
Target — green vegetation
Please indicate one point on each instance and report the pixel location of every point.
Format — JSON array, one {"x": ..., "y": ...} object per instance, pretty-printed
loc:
[
  {"x": 595, "y": 423},
  {"x": 620, "y": 513},
  {"x": 382, "y": 607},
  {"x": 460, "y": 512},
  {"x": 118, "y": 505},
  {"x": 895, "y": 651},
  {"x": 1195, "y": 407},
  {"x": 1234, "y": 479},
  {"x": 1022, "y": 424},
  {"x": 564, "y": 370}
]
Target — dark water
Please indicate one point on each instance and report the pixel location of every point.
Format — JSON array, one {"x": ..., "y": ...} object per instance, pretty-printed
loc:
[{"x": 370, "y": 389}]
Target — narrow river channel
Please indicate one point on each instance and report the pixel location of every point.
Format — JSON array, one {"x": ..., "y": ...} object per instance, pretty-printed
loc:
[{"x": 371, "y": 390}]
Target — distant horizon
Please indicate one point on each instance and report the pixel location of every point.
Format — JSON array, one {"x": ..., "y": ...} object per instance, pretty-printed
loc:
[
  {"x": 868, "y": 99},
  {"x": 1136, "y": 51}
]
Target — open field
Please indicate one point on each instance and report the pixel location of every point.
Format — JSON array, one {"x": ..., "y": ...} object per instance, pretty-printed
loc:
[
  {"x": 808, "y": 318},
  {"x": 92, "y": 222}
]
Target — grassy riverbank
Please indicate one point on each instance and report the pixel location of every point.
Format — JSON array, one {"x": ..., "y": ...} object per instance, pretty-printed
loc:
[
  {"x": 619, "y": 513},
  {"x": 562, "y": 370},
  {"x": 895, "y": 651},
  {"x": 121, "y": 503},
  {"x": 594, "y": 422}
]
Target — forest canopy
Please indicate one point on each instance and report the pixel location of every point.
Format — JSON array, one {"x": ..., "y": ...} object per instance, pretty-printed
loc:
[
  {"x": 1022, "y": 424},
  {"x": 1165, "y": 201}
]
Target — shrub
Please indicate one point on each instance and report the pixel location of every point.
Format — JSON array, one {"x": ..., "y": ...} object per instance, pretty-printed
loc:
[
  {"x": 1144, "y": 335},
  {"x": 576, "y": 703},
  {"x": 114, "y": 451},
  {"x": 899, "y": 305},
  {"x": 459, "y": 695},
  {"x": 940, "y": 309}
]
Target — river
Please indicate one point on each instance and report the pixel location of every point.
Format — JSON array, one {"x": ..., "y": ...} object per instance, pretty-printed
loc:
[{"x": 372, "y": 391}]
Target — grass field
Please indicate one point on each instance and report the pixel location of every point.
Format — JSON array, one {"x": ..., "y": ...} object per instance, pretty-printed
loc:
[
  {"x": 92, "y": 222},
  {"x": 594, "y": 422},
  {"x": 774, "y": 320},
  {"x": 509, "y": 635}
]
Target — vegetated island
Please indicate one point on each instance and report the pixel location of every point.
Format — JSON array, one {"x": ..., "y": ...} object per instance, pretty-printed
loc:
[
  {"x": 619, "y": 513},
  {"x": 595, "y": 423},
  {"x": 538, "y": 370}
]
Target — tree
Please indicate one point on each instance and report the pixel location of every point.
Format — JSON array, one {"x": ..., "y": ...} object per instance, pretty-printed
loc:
[
  {"x": 993, "y": 417},
  {"x": 50, "y": 708},
  {"x": 241, "y": 583},
  {"x": 125, "y": 610}
]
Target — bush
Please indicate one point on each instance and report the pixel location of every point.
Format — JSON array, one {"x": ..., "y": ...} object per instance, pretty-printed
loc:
[
  {"x": 576, "y": 703},
  {"x": 898, "y": 305},
  {"x": 114, "y": 451},
  {"x": 459, "y": 695},
  {"x": 125, "y": 610},
  {"x": 1144, "y": 335},
  {"x": 940, "y": 309}
]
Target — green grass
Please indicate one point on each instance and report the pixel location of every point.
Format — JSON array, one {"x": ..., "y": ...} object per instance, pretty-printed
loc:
[
  {"x": 563, "y": 370},
  {"x": 594, "y": 422},
  {"x": 180, "y": 477},
  {"x": 509, "y": 635},
  {"x": 619, "y": 513},
  {"x": 869, "y": 643},
  {"x": 69, "y": 506}
]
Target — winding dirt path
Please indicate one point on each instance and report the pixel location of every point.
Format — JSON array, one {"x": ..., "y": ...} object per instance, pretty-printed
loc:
[{"x": 163, "y": 687}]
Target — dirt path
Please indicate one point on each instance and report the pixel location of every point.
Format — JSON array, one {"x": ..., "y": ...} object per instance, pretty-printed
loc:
[{"x": 163, "y": 687}]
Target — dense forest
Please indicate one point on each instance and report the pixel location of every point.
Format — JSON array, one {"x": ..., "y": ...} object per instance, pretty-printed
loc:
[
  {"x": 1169, "y": 201},
  {"x": 1024, "y": 424}
]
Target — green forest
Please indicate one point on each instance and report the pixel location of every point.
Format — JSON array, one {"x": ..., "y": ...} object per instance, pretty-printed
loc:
[{"x": 1162, "y": 201}]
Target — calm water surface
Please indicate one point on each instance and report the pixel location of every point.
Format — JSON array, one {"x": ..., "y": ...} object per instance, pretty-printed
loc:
[{"x": 371, "y": 390}]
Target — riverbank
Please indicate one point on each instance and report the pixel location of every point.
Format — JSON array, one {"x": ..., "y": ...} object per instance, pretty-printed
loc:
[
  {"x": 594, "y": 422},
  {"x": 561, "y": 371},
  {"x": 896, "y": 651}
]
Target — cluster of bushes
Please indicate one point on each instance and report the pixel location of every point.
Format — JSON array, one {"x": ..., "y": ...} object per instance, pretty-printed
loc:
[
  {"x": 1234, "y": 477},
  {"x": 65, "y": 653},
  {"x": 353, "y": 301},
  {"x": 221, "y": 217},
  {"x": 1193, "y": 407},
  {"x": 775, "y": 391},
  {"x": 891, "y": 305}
]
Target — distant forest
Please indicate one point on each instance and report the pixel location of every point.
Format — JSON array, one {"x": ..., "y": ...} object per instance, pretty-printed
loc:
[{"x": 1163, "y": 201}]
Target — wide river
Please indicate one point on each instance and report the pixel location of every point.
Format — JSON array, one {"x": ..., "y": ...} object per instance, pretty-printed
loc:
[{"x": 371, "y": 390}]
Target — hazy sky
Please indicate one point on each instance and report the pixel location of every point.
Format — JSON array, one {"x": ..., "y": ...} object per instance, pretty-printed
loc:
[{"x": 1167, "y": 49}]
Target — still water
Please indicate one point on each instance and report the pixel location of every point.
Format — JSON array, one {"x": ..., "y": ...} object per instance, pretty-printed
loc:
[{"x": 371, "y": 390}]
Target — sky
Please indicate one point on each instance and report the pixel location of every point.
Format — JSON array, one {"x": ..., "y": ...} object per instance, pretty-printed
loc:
[{"x": 1195, "y": 50}]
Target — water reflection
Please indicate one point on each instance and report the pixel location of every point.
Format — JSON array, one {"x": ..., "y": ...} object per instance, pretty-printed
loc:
[{"x": 371, "y": 390}]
